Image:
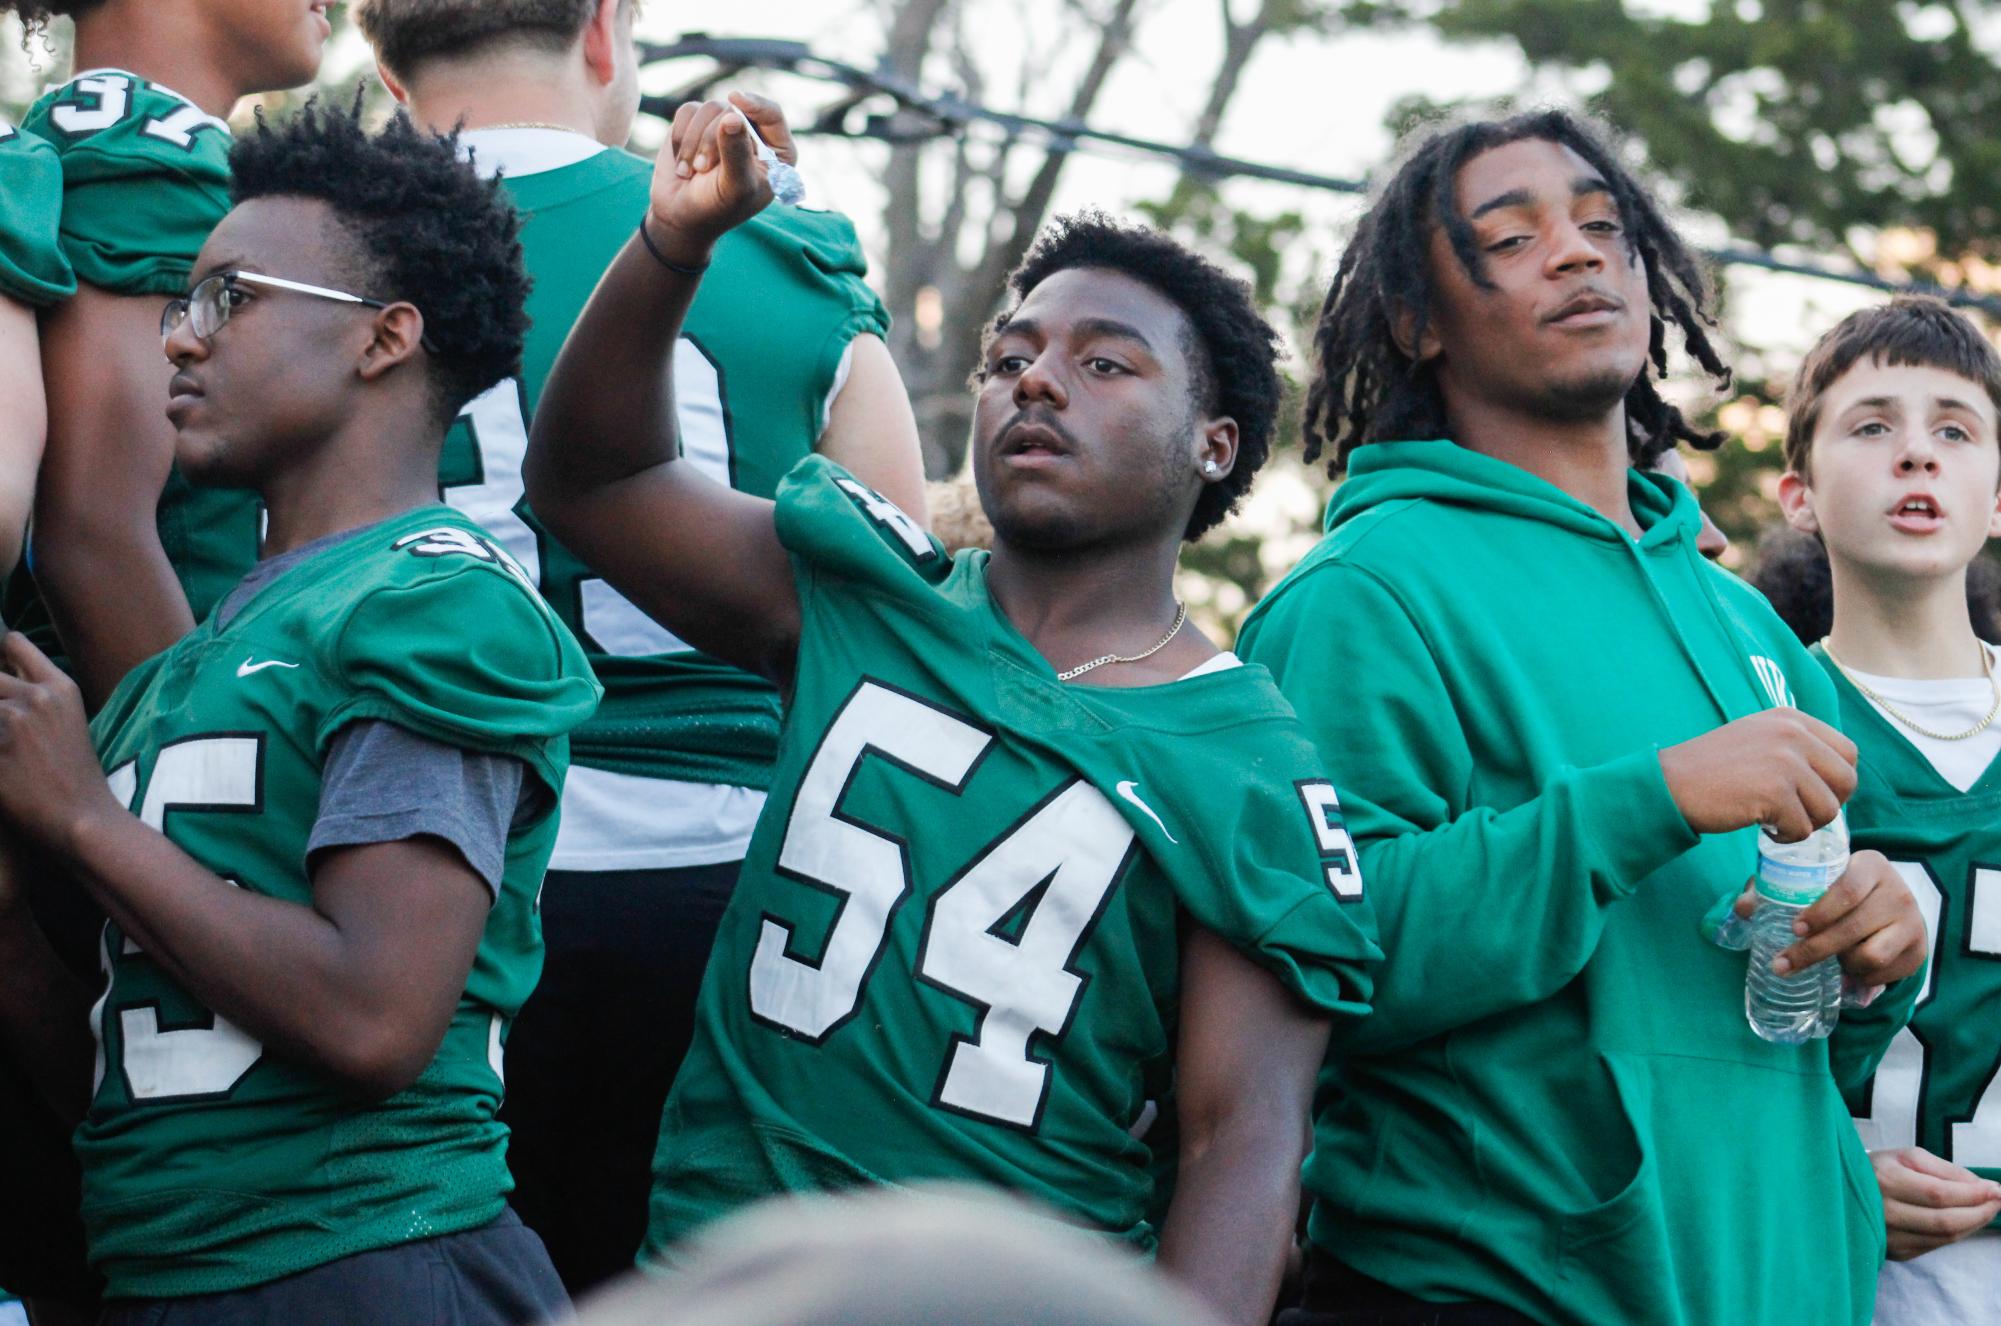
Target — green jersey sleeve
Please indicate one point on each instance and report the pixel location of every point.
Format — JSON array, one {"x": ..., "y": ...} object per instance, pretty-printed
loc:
[
  {"x": 145, "y": 179},
  {"x": 833, "y": 524},
  {"x": 465, "y": 653},
  {"x": 32, "y": 267},
  {"x": 1286, "y": 889},
  {"x": 834, "y": 265},
  {"x": 1463, "y": 942}
]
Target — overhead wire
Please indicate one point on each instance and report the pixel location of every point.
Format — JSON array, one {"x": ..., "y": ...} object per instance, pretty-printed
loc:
[{"x": 919, "y": 116}]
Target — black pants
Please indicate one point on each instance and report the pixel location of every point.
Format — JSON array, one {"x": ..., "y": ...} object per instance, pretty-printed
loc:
[
  {"x": 591, "y": 1057},
  {"x": 497, "y": 1275},
  {"x": 1335, "y": 1294},
  {"x": 41, "y": 1230}
]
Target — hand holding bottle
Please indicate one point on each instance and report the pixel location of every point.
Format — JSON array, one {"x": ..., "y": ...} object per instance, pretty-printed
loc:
[{"x": 1779, "y": 768}]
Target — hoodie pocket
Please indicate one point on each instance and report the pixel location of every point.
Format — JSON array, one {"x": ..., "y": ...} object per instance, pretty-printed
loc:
[
  {"x": 1621, "y": 1241},
  {"x": 1865, "y": 1195}
]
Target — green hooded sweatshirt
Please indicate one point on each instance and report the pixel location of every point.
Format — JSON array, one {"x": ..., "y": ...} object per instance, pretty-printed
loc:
[{"x": 1557, "y": 1104}]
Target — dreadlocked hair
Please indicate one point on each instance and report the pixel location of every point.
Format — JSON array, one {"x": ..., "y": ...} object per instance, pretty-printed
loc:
[
  {"x": 1363, "y": 388},
  {"x": 1232, "y": 350},
  {"x": 425, "y": 228}
]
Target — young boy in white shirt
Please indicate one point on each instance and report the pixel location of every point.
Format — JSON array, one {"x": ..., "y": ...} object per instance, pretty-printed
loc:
[{"x": 1892, "y": 461}]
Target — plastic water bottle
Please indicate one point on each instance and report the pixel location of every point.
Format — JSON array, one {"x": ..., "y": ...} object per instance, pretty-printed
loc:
[
  {"x": 788, "y": 186},
  {"x": 1802, "y": 1005}
]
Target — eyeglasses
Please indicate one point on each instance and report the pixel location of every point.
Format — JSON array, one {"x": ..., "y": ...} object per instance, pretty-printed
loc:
[{"x": 208, "y": 306}]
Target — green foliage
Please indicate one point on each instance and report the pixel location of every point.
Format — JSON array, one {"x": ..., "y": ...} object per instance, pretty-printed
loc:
[{"x": 1797, "y": 121}]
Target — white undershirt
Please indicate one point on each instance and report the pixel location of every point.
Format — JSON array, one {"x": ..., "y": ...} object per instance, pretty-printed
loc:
[
  {"x": 1960, "y": 1282},
  {"x": 1957, "y": 1285},
  {"x": 523, "y": 151},
  {"x": 1223, "y": 662},
  {"x": 1952, "y": 704}
]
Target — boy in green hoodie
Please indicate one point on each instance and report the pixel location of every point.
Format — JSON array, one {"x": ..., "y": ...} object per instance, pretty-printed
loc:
[
  {"x": 1556, "y": 727},
  {"x": 1891, "y": 461}
]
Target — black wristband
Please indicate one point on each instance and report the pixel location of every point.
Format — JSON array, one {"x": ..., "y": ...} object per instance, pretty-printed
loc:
[{"x": 661, "y": 258}]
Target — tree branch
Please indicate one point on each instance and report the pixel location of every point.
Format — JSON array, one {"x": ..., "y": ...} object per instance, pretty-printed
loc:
[
  {"x": 966, "y": 305},
  {"x": 912, "y": 30},
  {"x": 1240, "y": 41}
]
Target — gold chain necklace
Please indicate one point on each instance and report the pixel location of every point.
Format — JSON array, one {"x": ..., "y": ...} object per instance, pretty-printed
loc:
[
  {"x": 1180, "y": 616},
  {"x": 1986, "y": 662}
]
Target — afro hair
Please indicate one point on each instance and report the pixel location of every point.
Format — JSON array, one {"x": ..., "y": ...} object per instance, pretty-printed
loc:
[
  {"x": 425, "y": 228},
  {"x": 1234, "y": 351}
]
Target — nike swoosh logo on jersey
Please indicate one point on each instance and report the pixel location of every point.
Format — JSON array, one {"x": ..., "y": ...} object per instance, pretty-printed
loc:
[
  {"x": 1130, "y": 791},
  {"x": 246, "y": 667}
]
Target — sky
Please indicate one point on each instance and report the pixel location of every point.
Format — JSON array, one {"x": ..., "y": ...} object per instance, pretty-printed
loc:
[{"x": 1308, "y": 103}]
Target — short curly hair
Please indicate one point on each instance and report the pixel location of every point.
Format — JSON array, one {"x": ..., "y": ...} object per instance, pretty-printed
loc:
[
  {"x": 1792, "y": 573},
  {"x": 35, "y": 14},
  {"x": 1234, "y": 351},
  {"x": 426, "y": 229}
]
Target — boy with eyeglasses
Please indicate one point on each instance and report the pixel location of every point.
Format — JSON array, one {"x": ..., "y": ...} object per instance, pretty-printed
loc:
[
  {"x": 319, "y": 822},
  {"x": 1892, "y": 462},
  {"x": 141, "y": 134}
]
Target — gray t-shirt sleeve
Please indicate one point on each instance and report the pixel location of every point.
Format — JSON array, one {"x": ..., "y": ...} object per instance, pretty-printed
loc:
[{"x": 383, "y": 784}]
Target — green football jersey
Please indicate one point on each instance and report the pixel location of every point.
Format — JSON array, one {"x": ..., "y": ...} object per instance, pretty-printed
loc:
[
  {"x": 210, "y": 1165},
  {"x": 954, "y": 949},
  {"x": 32, "y": 266},
  {"x": 757, "y": 361},
  {"x": 145, "y": 178},
  {"x": 1936, "y": 1086}
]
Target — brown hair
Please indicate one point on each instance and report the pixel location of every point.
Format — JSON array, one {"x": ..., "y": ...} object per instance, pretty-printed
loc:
[
  {"x": 1911, "y": 331},
  {"x": 405, "y": 33}
]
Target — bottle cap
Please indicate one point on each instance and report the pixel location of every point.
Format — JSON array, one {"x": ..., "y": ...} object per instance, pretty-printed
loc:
[{"x": 788, "y": 186}]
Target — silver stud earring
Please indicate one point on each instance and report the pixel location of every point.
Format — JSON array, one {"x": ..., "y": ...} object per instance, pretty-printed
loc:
[{"x": 1209, "y": 467}]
